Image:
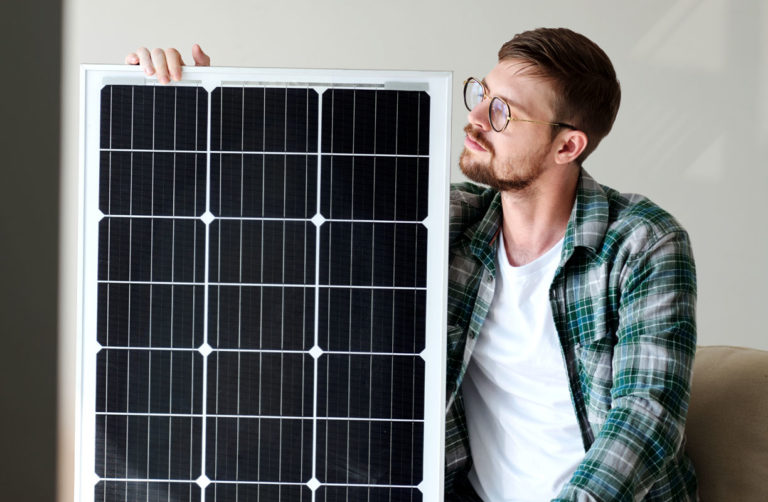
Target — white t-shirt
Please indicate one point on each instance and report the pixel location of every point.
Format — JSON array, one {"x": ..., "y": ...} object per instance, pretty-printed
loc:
[{"x": 523, "y": 432}]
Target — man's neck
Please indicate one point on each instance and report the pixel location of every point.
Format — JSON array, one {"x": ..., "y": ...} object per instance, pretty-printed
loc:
[{"x": 535, "y": 219}]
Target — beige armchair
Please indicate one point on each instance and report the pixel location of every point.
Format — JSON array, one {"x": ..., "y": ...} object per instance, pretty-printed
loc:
[{"x": 727, "y": 425}]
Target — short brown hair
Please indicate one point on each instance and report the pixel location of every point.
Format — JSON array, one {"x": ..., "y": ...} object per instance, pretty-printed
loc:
[{"x": 588, "y": 93}]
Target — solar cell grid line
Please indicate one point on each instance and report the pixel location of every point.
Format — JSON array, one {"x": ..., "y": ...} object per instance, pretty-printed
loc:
[
  {"x": 130, "y": 237},
  {"x": 351, "y": 262},
  {"x": 370, "y": 360},
  {"x": 240, "y": 291},
  {"x": 394, "y": 252}
]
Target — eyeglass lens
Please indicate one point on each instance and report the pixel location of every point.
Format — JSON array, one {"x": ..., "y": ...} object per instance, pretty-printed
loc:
[
  {"x": 473, "y": 94},
  {"x": 498, "y": 113}
]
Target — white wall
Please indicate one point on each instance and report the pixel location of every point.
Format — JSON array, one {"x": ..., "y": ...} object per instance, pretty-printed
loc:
[{"x": 691, "y": 134}]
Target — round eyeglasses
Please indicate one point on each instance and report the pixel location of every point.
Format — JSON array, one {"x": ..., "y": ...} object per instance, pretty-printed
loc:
[{"x": 499, "y": 114}]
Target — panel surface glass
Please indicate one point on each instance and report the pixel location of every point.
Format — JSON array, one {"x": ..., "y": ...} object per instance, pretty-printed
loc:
[{"x": 261, "y": 293}]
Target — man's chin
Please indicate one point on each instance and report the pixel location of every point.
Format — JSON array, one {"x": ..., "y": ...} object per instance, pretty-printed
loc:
[
  {"x": 479, "y": 172},
  {"x": 482, "y": 173}
]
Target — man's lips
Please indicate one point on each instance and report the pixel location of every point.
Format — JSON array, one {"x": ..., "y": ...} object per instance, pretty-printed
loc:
[
  {"x": 472, "y": 144},
  {"x": 475, "y": 142}
]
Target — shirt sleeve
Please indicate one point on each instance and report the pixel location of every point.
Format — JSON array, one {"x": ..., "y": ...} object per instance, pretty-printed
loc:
[{"x": 652, "y": 363}]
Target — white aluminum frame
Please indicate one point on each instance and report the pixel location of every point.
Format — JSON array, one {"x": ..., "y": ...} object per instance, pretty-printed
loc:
[{"x": 437, "y": 84}]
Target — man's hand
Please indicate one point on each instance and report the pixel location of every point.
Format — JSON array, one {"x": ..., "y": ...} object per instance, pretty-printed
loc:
[{"x": 166, "y": 63}]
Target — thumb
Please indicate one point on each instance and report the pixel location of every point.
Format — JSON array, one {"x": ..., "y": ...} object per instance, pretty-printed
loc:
[{"x": 200, "y": 57}]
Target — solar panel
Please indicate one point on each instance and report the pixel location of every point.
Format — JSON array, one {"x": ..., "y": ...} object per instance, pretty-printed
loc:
[{"x": 263, "y": 285}]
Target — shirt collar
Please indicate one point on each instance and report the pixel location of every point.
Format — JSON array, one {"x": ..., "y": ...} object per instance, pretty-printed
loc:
[
  {"x": 483, "y": 243},
  {"x": 589, "y": 217},
  {"x": 587, "y": 223}
]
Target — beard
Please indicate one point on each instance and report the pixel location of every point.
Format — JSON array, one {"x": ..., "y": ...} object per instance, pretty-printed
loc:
[{"x": 523, "y": 172}]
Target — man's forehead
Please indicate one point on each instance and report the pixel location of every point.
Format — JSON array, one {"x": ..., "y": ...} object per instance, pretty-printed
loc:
[
  {"x": 510, "y": 70},
  {"x": 520, "y": 67},
  {"x": 521, "y": 83}
]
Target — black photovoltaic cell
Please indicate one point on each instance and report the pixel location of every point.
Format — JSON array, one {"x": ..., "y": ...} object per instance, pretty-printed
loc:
[
  {"x": 264, "y": 119},
  {"x": 383, "y": 386},
  {"x": 144, "y": 183},
  {"x": 261, "y": 317},
  {"x": 136, "y": 447},
  {"x": 153, "y": 118},
  {"x": 375, "y": 122},
  {"x": 368, "y": 188},
  {"x": 148, "y": 381},
  {"x": 368, "y": 494},
  {"x": 256, "y": 185},
  {"x": 348, "y": 320},
  {"x": 263, "y": 251},
  {"x": 373, "y": 254},
  {"x": 259, "y": 449},
  {"x": 369, "y": 452},
  {"x": 143, "y": 315},
  {"x": 259, "y": 383},
  {"x": 246, "y": 492},
  {"x": 151, "y": 249},
  {"x": 138, "y": 490},
  {"x": 308, "y": 384}
]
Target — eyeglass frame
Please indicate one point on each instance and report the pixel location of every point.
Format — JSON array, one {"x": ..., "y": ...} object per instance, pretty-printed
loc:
[{"x": 510, "y": 118}]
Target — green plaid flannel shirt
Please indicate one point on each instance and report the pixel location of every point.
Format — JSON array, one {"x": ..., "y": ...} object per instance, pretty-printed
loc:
[{"x": 623, "y": 300}]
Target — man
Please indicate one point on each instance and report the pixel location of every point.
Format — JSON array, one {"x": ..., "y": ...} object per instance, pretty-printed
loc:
[
  {"x": 571, "y": 315},
  {"x": 571, "y": 309}
]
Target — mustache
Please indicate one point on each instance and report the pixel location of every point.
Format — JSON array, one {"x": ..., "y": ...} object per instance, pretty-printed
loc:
[{"x": 477, "y": 138}]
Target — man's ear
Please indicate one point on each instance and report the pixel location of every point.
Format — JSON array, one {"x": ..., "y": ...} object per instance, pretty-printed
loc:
[{"x": 571, "y": 144}]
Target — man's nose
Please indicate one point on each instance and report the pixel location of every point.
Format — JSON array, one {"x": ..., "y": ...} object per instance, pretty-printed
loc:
[{"x": 478, "y": 116}]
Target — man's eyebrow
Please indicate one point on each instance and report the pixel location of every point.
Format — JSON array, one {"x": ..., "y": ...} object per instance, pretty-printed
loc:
[{"x": 510, "y": 102}]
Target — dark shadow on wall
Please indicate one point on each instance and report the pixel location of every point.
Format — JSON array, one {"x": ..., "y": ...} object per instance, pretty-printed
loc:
[{"x": 30, "y": 35}]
